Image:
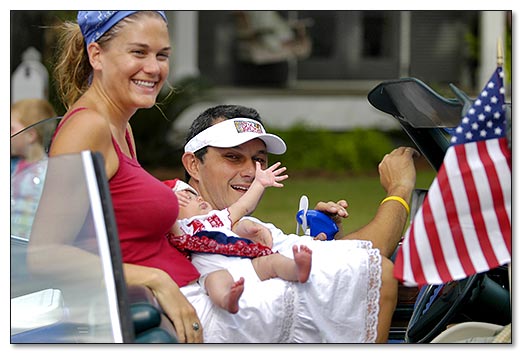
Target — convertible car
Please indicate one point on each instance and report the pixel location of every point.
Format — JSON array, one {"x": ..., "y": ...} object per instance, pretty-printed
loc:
[
  {"x": 476, "y": 308},
  {"x": 64, "y": 296}
]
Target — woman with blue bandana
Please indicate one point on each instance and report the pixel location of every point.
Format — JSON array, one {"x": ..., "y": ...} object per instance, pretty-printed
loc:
[{"x": 110, "y": 64}]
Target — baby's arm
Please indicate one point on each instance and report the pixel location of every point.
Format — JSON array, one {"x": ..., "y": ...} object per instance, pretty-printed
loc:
[
  {"x": 264, "y": 178},
  {"x": 253, "y": 231}
]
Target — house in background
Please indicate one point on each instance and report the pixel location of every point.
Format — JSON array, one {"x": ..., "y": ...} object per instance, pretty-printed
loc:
[
  {"x": 349, "y": 53},
  {"x": 312, "y": 66}
]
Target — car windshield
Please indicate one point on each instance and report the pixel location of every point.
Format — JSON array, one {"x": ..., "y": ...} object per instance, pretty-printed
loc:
[{"x": 63, "y": 286}]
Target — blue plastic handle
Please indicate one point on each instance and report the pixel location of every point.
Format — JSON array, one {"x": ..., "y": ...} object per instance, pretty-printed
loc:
[{"x": 318, "y": 222}]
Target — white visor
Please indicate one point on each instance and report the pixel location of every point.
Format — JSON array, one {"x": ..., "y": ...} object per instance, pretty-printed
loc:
[{"x": 234, "y": 132}]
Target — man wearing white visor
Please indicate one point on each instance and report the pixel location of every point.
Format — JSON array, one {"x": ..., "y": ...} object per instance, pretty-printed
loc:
[
  {"x": 234, "y": 132},
  {"x": 351, "y": 293}
]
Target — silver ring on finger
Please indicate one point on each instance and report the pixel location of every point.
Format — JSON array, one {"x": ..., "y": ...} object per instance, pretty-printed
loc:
[{"x": 195, "y": 326}]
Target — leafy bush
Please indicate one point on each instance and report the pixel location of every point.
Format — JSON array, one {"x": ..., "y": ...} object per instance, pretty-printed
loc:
[{"x": 319, "y": 151}]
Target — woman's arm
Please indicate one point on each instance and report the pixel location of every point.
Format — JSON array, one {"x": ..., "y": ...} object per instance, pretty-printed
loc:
[
  {"x": 64, "y": 204},
  {"x": 52, "y": 250},
  {"x": 171, "y": 299}
]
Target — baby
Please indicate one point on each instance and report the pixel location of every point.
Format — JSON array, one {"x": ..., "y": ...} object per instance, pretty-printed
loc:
[{"x": 224, "y": 227}]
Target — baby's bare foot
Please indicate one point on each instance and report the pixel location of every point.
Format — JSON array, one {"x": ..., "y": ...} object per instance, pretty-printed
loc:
[
  {"x": 235, "y": 293},
  {"x": 303, "y": 262}
]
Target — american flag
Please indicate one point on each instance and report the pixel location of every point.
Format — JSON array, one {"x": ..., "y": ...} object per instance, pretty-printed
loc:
[{"x": 464, "y": 224}]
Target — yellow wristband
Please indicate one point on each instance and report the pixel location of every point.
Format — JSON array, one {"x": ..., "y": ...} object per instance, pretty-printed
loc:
[{"x": 398, "y": 199}]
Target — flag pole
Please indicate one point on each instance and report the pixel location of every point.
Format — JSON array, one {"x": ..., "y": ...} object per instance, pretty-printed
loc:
[
  {"x": 500, "y": 62},
  {"x": 500, "y": 56}
]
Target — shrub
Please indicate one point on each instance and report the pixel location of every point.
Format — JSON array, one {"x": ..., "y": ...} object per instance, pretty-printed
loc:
[{"x": 319, "y": 151}]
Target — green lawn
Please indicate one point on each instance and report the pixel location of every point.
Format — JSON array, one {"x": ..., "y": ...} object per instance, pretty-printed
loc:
[{"x": 363, "y": 194}]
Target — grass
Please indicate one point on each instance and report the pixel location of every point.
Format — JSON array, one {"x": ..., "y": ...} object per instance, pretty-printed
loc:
[{"x": 363, "y": 194}]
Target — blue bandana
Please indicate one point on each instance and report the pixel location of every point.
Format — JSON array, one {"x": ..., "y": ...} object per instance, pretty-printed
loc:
[{"x": 94, "y": 24}]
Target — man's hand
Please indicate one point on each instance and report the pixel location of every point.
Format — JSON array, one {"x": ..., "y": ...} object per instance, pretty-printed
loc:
[
  {"x": 397, "y": 172},
  {"x": 337, "y": 211},
  {"x": 321, "y": 236}
]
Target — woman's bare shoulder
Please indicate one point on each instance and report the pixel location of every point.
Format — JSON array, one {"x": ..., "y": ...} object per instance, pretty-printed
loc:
[{"x": 84, "y": 130}]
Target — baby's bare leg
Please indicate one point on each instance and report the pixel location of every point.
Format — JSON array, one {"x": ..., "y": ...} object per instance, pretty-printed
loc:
[
  {"x": 277, "y": 265},
  {"x": 303, "y": 261},
  {"x": 223, "y": 290}
]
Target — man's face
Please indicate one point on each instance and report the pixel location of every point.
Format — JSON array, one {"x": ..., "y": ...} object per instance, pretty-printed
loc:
[{"x": 226, "y": 173}]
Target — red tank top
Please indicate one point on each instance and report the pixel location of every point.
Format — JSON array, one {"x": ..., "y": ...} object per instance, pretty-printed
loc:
[{"x": 145, "y": 210}]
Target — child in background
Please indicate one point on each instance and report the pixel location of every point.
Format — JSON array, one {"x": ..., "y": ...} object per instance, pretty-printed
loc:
[
  {"x": 28, "y": 146},
  {"x": 28, "y": 161}
]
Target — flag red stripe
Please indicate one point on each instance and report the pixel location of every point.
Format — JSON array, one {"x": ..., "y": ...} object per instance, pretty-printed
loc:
[
  {"x": 475, "y": 206},
  {"x": 398, "y": 267},
  {"x": 499, "y": 203},
  {"x": 507, "y": 153},
  {"x": 505, "y": 150},
  {"x": 416, "y": 266},
  {"x": 453, "y": 220},
  {"x": 434, "y": 239}
]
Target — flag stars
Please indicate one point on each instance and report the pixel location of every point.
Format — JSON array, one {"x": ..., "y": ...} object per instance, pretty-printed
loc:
[
  {"x": 502, "y": 90},
  {"x": 481, "y": 122}
]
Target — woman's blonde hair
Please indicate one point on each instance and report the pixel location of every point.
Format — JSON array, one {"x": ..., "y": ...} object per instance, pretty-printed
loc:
[{"x": 72, "y": 68}]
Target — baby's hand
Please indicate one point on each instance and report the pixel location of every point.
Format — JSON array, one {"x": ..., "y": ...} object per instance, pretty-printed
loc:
[
  {"x": 183, "y": 199},
  {"x": 271, "y": 176}
]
